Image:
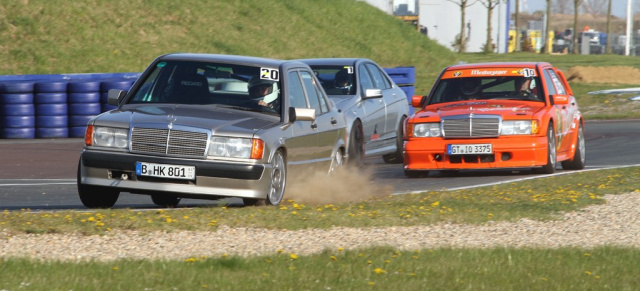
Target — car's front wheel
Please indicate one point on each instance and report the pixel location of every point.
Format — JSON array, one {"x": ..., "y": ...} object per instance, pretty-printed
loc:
[
  {"x": 337, "y": 161},
  {"x": 96, "y": 196},
  {"x": 397, "y": 157},
  {"x": 550, "y": 167},
  {"x": 278, "y": 180},
  {"x": 165, "y": 200},
  {"x": 579, "y": 158}
]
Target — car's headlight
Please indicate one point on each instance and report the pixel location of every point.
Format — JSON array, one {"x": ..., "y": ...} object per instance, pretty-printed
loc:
[
  {"x": 235, "y": 147},
  {"x": 511, "y": 127},
  {"x": 109, "y": 137},
  {"x": 427, "y": 130}
]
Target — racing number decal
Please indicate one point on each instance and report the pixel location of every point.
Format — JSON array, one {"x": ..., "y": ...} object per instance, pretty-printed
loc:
[
  {"x": 269, "y": 74},
  {"x": 349, "y": 69},
  {"x": 528, "y": 73}
]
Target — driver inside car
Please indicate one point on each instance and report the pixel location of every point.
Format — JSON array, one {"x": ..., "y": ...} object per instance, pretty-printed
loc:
[{"x": 264, "y": 92}]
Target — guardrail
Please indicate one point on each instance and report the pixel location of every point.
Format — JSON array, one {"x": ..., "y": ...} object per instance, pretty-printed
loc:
[{"x": 60, "y": 105}]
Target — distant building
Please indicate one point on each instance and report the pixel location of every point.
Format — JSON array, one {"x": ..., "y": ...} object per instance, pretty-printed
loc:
[{"x": 441, "y": 20}]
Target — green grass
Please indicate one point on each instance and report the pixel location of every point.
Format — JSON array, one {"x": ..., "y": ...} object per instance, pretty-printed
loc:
[
  {"x": 543, "y": 199},
  {"x": 605, "y": 268}
]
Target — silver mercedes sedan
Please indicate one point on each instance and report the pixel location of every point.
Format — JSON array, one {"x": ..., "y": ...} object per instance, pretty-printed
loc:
[
  {"x": 374, "y": 106},
  {"x": 210, "y": 126}
]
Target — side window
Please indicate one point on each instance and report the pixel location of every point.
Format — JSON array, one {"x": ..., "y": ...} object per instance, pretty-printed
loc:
[
  {"x": 311, "y": 87},
  {"x": 556, "y": 81},
  {"x": 365, "y": 79},
  {"x": 378, "y": 78},
  {"x": 296, "y": 91},
  {"x": 549, "y": 83}
]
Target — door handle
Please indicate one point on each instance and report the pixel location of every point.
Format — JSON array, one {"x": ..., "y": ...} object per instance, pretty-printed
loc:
[
  {"x": 334, "y": 121},
  {"x": 314, "y": 125}
]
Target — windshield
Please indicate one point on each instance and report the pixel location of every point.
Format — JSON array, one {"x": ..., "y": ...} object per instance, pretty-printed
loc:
[
  {"x": 336, "y": 80},
  {"x": 485, "y": 88},
  {"x": 201, "y": 83}
]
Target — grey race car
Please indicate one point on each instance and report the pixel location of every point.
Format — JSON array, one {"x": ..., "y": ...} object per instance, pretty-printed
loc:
[
  {"x": 374, "y": 106},
  {"x": 210, "y": 126}
]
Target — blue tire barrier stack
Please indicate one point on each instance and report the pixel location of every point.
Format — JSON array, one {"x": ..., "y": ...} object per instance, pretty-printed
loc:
[
  {"x": 55, "y": 106},
  {"x": 51, "y": 109},
  {"x": 405, "y": 78},
  {"x": 84, "y": 104},
  {"x": 18, "y": 111}
]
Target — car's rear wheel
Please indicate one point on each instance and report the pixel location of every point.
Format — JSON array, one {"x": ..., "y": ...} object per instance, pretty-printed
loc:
[
  {"x": 356, "y": 145},
  {"x": 579, "y": 158},
  {"x": 396, "y": 158},
  {"x": 337, "y": 161},
  {"x": 96, "y": 196},
  {"x": 165, "y": 200},
  {"x": 550, "y": 167},
  {"x": 416, "y": 173}
]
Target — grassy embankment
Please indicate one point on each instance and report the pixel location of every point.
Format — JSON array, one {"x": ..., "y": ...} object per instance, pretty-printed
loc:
[{"x": 40, "y": 37}]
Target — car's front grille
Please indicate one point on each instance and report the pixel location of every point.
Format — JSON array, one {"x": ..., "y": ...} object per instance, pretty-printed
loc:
[
  {"x": 168, "y": 142},
  {"x": 470, "y": 126}
]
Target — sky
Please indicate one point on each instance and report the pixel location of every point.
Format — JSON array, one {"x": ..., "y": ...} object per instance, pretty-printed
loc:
[{"x": 618, "y": 7}]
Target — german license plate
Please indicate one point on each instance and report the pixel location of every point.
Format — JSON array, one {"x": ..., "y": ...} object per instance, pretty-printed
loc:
[
  {"x": 165, "y": 171},
  {"x": 469, "y": 149}
]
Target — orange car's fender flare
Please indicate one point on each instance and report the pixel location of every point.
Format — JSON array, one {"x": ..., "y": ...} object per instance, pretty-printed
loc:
[{"x": 577, "y": 122}]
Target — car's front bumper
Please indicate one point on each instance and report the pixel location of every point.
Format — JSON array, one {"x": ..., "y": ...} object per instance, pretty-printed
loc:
[
  {"x": 508, "y": 152},
  {"x": 214, "y": 179}
]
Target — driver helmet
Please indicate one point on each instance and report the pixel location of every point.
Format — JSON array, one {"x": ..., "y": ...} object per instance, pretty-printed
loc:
[
  {"x": 471, "y": 86},
  {"x": 257, "y": 86},
  {"x": 342, "y": 81}
]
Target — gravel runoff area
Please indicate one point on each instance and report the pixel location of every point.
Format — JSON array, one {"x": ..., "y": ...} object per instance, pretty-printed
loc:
[{"x": 616, "y": 223}]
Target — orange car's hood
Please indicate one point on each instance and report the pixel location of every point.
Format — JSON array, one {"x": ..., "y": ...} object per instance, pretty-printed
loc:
[{"x": 508, "y": 109}]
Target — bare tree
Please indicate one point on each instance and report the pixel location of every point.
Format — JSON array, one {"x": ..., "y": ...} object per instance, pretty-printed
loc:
[
  {"x": 490, "y": 5},
  {"x": 608, "y": 28},
  {"x": 517, "y": 26},
  {"x": 576, "y": 5},
  {"x": 545, "y": 47},
  {"x": 595, "y": 7},
  {"x": 463, "y": 4},
  {"x": 562, "y": 6}
]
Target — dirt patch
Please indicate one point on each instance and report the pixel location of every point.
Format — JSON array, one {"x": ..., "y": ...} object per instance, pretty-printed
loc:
[
  {"x": 346, "y": 185},
  {"x": 611, "y": 75}
]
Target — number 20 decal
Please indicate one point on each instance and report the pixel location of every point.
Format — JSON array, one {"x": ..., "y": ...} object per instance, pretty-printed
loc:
[{"x": 269, "y": 74}]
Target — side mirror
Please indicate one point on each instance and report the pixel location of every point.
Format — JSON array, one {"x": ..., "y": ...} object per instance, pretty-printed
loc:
[
  {"x": 372, "y": 93},
  {"x": 302, "y": 114},
  {"x": 417, "y": 100},
  {"x": 115, "y": 96},
  {"x": 560, "y": 99}
]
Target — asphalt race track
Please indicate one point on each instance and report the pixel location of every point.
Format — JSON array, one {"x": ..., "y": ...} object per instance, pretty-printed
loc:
[{"x": 39, "y": 174}]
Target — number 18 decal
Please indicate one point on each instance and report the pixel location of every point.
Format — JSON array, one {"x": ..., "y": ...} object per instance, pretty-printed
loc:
[{"x": 269, "y": 74}]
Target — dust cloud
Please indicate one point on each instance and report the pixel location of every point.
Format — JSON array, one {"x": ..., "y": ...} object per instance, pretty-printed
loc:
[{"x": 345, "y": 185}]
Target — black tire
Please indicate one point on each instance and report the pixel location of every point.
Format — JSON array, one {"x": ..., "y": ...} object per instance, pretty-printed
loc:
[
  {"x": 84, "y": 86},
  {"x": 50, "y": 98},
  {"x": 397, "y": 157},
  {"x": 18, "y": 109},
  {"x": 18, "y": 121},
  {"x": 52, "y": 109},
  {"x": 416, "y": 173},
  {"x": 356, "y": 145},
  {"x": 58, "y": 132},
  {"x": 85, "y": 97},
  {"x": 579, "y": 157},
  {"x": 51, "y": 87},
  {"x": 52, "y": 121},
  {"x": 96, "y": 196},
  {"x": 278, "y": 179},
  {"x": 17, "y": 98},
  {"x": 27, "y": 132},
  {"x": 84, "y": 108},
  {"x": 550, "y": 167},
  {"x": 165, "y": 199},
  {"x": 17, "y": 87}
]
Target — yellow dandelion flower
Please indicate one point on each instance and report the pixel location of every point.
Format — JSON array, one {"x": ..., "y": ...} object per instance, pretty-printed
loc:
[
  {"x": 379, "y": 271},
  {"x": 293, "y": 256},
  {"x": 169, "y": 220},
  {"x": 588, "y": 273},
  {"x": 186, "y": 217},
  {"x": 435, "y": 204},
  {"x": 115, "y": 268},
  {"x": 369, "y": 262},
  {"x": 294, "y": 212},
  {"x": 372, "y": 283},
  {"x": 333, "y": 258}
]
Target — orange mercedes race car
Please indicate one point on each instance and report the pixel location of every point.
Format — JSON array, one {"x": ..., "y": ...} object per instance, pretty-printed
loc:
[{"x": 495, "y": 115}]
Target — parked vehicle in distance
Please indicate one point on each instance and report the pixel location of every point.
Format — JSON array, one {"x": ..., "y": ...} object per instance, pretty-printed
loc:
[
  {"x": 374, "y": 106},
  {"x": 210, "y": 126},
  {"x": 495, "y": 115}
]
